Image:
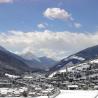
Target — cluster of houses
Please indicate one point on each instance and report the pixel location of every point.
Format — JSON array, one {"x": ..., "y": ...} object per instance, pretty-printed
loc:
[
  {"x": 84, "y": 78},
  {"x": 37, "y": 84},
  {"x": 27, "y": 85}
]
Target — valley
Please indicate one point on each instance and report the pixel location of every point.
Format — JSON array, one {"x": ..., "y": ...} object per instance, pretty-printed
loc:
[{"x": 76, "y": 72}]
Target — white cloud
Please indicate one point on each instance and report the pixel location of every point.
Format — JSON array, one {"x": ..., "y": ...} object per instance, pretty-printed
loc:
[
  {"x": 57, "y": 13},
  {"x": 51, "y": 44},
  {"x": 77, "y": 25},
  {"x": 6, "y": 1},
  {"x": 41, "y": 26},
  {"x": 61, "y": 14}
]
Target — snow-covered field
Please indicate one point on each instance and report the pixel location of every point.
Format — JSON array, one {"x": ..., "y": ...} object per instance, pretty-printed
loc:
[
  {"x": 71, "y": 94},
  {"x": 77, "y": 94}
]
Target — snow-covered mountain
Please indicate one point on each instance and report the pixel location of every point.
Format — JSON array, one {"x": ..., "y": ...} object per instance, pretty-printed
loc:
[
  {"x": 77, "y": 58},
  {"x": 43, "y": 63}
]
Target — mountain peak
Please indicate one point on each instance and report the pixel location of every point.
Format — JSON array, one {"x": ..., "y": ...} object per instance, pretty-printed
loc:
[{"x": 30, "y": 56}]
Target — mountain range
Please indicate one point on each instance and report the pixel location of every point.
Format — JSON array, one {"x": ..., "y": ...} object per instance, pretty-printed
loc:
[
  {"x": 44, "y": 63},
  {"x": 16, "y": 64}
]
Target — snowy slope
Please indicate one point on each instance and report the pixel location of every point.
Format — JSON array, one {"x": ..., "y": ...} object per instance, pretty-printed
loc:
[
  {"x": 77, "y": 58},
  {"x": 76, "y": 68}
]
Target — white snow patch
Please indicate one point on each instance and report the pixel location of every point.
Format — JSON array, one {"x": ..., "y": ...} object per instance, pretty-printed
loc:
[
  {"x": 62, "y": 70},
  {"x": 94, "y": 61},
  {"x": 51, "y": 75},
  {"x": 11, "y": 76},
  {"x": 74, "y": 57},
  {"x": 77, "y": 94},
  {"x": 77, "y": 57},
  {"x": 80, "y": 66}
]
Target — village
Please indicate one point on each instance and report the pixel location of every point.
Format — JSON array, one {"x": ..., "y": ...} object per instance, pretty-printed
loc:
[
  {"x": 29, "y": 84},
  {"x": 38, "y": 84},
  {"x": 78, "y": 78}
]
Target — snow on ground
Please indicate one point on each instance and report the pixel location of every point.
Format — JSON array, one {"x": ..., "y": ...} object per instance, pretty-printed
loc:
[
  {"x": 51, "y": 75},
  {"x": 11, "y": 76},
  {"x": 74, "y": 57},
  {"x": 77, "y": 94},
  {"x": 94, "y": 61},
  {"x": 70, "y": 94},
  {"x": 71, "y": 69},
  {"x": 79, "y": 67},
  {"x": 77, "y": 57}
]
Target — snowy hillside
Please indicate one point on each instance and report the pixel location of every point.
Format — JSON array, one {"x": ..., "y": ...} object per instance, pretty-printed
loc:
[
  {"x": 77, "y": 58},
  {"x": 78, "y": 67}
]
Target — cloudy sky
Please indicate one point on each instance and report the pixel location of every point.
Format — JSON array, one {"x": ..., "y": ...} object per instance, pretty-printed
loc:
[{"x": 53, "y": 28}]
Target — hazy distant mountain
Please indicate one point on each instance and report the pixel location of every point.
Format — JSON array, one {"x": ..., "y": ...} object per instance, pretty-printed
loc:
[
  {"x": 80, "y": 57},
  {"x": 43, "y": 63},
  {"x": 47, "y": 61},
  {"x": 30, "y": 56}
]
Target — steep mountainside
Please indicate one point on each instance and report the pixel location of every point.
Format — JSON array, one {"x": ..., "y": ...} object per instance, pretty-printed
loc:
[
  {"x": 11, "y": 63},
  {"x": 14, "y": 64},
  {"x": 80, "y": 57}
]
